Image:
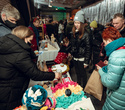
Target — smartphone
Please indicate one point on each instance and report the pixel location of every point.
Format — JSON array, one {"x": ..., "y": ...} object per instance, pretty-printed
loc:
[{"x": 101, "y": 63}]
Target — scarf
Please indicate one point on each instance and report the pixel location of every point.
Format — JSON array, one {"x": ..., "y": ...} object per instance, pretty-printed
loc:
[{"x": 114, "y": 45}]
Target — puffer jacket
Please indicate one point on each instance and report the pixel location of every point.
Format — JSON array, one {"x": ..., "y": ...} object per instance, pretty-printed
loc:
[
  {"x": 122, "y": 32},
  {"x": 16, "y": 69},
  {"x": 4, "y": 30},
  {"x": 114, "y": 80},
  {"x": 81, "y": 48}
]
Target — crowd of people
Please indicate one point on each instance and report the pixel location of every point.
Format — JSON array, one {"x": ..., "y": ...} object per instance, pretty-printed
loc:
[{"x": 78, "y": 39}]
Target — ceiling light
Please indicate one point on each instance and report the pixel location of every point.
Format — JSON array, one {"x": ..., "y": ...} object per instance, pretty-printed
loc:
[{"x": 49, "y": 5}]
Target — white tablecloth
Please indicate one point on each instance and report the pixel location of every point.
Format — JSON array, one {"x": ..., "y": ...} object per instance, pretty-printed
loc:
[{"x": 50, "y": 54}]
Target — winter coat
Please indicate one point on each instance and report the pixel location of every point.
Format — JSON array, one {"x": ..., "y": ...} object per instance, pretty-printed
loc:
[
  {"x": 16, "y": 69},
  {"x": 96, "y": 44},
  {"x": 4, "y": 29},
  {"x": 97, "y": 38},
  {"x": 81, "y": 48},
  {"x": 49, "y": 29},
  {"x": 114, "y": 79},
  {"x": 122, "y": 32},
  {"x": 69, "y": 29}
]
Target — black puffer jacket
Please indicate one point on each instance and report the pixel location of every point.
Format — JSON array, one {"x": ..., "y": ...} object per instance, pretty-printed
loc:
[
  {"x": 3, "y": 28},
  {"x": 16, "y": 68},
  {"x": 81, "y": 48},
  {"x": 122, "y": 32}
]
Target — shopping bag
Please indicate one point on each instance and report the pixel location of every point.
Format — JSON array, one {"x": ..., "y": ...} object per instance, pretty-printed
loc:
[{"x": 94, "y": 86}]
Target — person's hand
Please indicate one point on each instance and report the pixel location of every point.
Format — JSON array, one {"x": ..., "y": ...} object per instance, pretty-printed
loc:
[
  {"x": 101, "y": 54},
  {"x": 58, "y": 75},
  {"x": 39, "y": 66},
  {"x": 85, "y": 66},
  {"x": 106, "y": 62},
  {"x": 98, "y": 67},
  {"x": 69, "y": 55}
]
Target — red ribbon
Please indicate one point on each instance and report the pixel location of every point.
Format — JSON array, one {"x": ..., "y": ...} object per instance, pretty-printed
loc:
[{"x": 34, "y": 19}]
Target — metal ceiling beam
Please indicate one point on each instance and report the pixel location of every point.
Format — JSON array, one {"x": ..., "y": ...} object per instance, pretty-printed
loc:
[
  {"x": 65, "y": 4},
  {"x": 85, "y": 3},
  {"x": 53, "y": 4}
]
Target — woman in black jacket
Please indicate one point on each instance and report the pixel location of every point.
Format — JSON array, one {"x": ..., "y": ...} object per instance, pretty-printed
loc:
[
  {"x": 17, "y": 67},
  {"x": 80, "y": 48}
]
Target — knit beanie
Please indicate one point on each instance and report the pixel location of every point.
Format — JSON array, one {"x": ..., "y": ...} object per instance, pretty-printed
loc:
[
  {"x": 93, "y": 24},
  {"x": 79, "y": 16}
]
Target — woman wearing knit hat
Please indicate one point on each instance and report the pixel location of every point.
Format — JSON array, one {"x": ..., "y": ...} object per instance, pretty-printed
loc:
[
  {"x": 80, "y": 48},
  {"x": 96, "y": 43},
  {"x": 93, "y": 24}
]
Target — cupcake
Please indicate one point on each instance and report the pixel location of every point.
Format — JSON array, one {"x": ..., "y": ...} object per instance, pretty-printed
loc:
[{"x": 62, "y": 65}]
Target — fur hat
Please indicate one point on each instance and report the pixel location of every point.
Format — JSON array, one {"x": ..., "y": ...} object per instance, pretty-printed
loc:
[
  {"x": 79, "y": 16},
  {"x": 34, "y": 97},
  {"x": 93, "y": 24}
]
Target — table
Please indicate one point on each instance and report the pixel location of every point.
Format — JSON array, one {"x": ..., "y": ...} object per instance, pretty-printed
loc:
[
  {"x": 65, "y": 78},
  {"x": 50, "y": 53}
]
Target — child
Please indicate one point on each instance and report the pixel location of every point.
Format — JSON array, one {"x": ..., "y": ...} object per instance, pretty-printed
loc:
[{"x": 63, "y": 52}]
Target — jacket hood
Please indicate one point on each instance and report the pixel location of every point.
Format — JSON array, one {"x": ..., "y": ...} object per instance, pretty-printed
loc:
[{"x": 12, "y": 44}]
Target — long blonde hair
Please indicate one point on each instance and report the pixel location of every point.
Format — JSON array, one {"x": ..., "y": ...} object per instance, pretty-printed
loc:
[{"x": 22, "y": 32}]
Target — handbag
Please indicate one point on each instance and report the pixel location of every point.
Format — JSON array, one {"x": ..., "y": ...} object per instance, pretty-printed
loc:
[{"x": 94, "y": 86}]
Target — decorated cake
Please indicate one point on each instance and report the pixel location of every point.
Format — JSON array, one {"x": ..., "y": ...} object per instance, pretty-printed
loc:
[
  {"x": 34, "y": 97},
  {"x": 63, "y": 67},
  {"x": 68, "y": 93}
]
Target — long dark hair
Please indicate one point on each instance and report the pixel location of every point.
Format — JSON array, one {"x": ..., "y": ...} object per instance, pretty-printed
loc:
[{"x": 81, "y": 30}]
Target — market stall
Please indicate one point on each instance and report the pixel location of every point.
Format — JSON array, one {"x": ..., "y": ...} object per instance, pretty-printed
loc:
[{"x": 49, "y": 50}]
